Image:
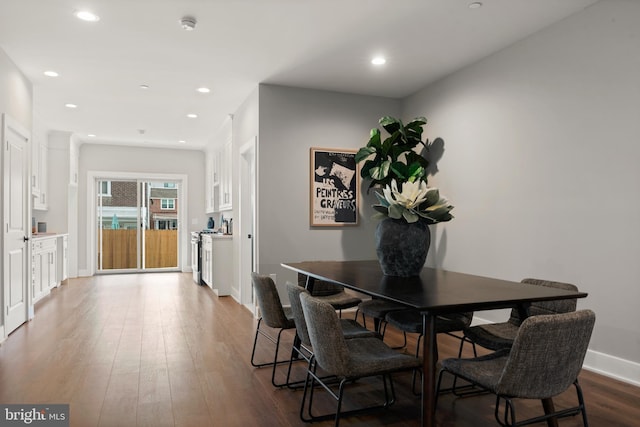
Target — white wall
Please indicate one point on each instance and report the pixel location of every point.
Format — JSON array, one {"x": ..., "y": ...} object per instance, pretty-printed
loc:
[
  {"x": 291, "y": 122},
  {"x": 16, "y": 92},
  {"x": 57, "y": 182},
  {"x": 541, "y": 163},
  {"x": 116, "y": 158}
]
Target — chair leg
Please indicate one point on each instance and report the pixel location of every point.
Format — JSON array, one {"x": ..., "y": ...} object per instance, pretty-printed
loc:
[
  {"x": 583, "y": 408},
  {"x": 413, "y": 378},
  {"x": 275, "y": 362},
  {"x": 255, "y": 341}
]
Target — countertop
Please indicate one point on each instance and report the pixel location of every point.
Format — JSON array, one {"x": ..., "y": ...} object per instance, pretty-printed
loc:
[
  {"x": 219, "y": 236},
  {"x": 45, "y": 235}
]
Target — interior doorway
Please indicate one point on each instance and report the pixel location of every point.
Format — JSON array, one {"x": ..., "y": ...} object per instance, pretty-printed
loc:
[{"x": 136, "y": 223}]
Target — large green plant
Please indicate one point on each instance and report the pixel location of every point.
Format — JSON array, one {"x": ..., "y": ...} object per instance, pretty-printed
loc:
[{"x": 394, "y": 158}]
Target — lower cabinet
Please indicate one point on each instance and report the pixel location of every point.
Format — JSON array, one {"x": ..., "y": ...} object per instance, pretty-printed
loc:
[
  {"x": 222, "y": 265},
  {"x": 44, "y": 266},
  {"x": 207, "y": 260}
]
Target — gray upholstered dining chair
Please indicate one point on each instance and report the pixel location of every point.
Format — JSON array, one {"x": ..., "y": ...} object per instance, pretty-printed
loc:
[
  {"x": 410, "y": 321},
  {"x": 304, "y": 349},
  {"x": 377, "y": 309},
  {"x": 496, "y": 336},
  {"x": 332, "y": 293},
  {"x": 274, "y": 315},
  {"x": 544, "y": 361},
  {"x": 345, "y": 360}
]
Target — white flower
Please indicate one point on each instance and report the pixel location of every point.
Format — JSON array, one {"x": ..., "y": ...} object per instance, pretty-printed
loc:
[
  {"x": 415, "y": 201},
  {"x": 412, "y": 195}
]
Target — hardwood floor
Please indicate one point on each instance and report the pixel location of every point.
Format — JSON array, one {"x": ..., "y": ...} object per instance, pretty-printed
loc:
[{"x": 157, "y": 350}]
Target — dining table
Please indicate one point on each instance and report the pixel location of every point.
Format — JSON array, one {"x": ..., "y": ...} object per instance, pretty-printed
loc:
[{"x": 434, "y": 292}]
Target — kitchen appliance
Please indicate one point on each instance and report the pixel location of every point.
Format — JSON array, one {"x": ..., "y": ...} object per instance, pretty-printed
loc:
[{"x": 196, "y": 253}]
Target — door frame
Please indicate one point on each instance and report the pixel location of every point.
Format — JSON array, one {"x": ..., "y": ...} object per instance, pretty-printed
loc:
[
  {"x": 183, "y": 249},
  {"x": 248, "y": 196}
]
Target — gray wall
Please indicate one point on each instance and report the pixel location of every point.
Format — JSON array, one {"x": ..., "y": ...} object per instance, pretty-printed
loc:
[
  {"x": 116, "y": 158},
  {"x": 291, "y": 122},
  {"x": 541, "y": 163}
]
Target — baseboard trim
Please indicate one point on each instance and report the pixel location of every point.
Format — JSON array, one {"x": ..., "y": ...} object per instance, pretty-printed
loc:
[
  {"x": 601, "y": 363},
  {"x": 613, "y": 367},
  {"x": 84, "y": 273}
]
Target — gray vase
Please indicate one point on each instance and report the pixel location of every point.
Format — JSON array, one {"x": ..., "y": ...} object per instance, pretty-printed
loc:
[{"x": 402, "y": 247}]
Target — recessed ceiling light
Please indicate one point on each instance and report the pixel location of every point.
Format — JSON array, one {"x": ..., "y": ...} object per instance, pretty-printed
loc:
[
  {"x": 92, "y": 135},
  {"x": 51, "y": 73},
  {"x": 203, "y": 90},
  {"x": 378, "y": 60},
  {"x": 192, "y": 116},
  {"x": 475, "y": 5},
  {"x": 188, "y": 23},
  {"x": 85, "y": 15},
  {"x": 71, "y": 105},
  {"x": 144, "y": 87},
  {"x": 182, "y": 141}
]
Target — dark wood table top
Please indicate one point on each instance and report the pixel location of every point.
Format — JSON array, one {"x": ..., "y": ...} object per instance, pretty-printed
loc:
[{"x": 434, "y": 290}]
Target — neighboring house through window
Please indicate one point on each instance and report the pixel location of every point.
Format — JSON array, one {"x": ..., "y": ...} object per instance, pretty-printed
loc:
[{"x": 168, "y": 204}]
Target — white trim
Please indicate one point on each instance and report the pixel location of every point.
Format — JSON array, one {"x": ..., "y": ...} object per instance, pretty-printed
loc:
[
  {"x": 91, "y": 211},
  {"x": 613, "y": 367},
  {"x": 600, "y": 363}
]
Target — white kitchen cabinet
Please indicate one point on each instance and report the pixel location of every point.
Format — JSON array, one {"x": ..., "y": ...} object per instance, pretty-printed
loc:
[
  {"x": 207, "y": 260},
  {"x": 39, "y": 157},
  {"x": 212, "y": 176},
  {"x": 222, "y": 265},
  {"x": 44, "y": 266},
  {"x": 63, "y": 258},
  {"x": 225, "y": 181}
]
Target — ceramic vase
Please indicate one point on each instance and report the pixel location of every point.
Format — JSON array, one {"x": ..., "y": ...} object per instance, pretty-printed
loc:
[{"x": 402, "y": 247}]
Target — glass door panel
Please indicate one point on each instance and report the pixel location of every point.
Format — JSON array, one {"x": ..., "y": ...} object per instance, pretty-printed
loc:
[
  {"x": 137, "y": 225},
  {"x": 118, "y": 215},
  {"x": 160, "y": 224}
]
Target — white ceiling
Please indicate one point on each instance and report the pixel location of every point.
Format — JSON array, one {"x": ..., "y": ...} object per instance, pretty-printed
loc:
[{"x": 237, "y": 44}]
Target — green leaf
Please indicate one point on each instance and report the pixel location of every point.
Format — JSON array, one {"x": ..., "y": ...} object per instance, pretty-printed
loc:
[
  {"x": 390, "y": 124},
  {"x": 380, "y": 172},
  {"x": 384, "y": 202},
  {"x": 400, "y": 170},
  {"x": 382, "y": 209},
  {"x": 432, "y": 197},
  {"x": 363, "y": 153},
  {"x": 396, "y": 211},
  {"x": 374, "y": 139},
  {"x": 410, "y": 216}
]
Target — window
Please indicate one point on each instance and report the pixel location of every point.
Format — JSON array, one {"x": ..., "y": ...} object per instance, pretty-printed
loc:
[
  {"x": 104, "y": 188},
  {"x": 169, "y": 185},
  {"x": 168, "y": 204}
]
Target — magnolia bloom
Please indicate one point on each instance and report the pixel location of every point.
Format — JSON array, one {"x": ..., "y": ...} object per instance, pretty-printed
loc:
[
  {"x": 412, "y": 195},
  {"x": 415, "y": 201}
]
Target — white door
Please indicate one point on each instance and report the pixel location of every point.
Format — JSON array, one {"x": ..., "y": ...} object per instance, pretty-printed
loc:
[{"x": 15, "y": 141}]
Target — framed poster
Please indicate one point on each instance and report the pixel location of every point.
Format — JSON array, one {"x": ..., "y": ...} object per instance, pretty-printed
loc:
[{"x": 334, "y": 187}]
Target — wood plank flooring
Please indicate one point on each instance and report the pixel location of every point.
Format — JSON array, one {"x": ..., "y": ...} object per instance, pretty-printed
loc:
[{"x": 157, "y": 350}]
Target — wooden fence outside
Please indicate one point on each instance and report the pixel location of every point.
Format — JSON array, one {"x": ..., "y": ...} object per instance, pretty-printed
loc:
[{"x": 119, "y": 249}]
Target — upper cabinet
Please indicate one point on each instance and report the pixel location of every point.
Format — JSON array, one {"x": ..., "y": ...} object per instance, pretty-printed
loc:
[
  {"x": 212, "y": 174},
  {"x": 39, "y": 160},
  {"x": 225, "y": 178},
  {"x": 218, "y": 170}
]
